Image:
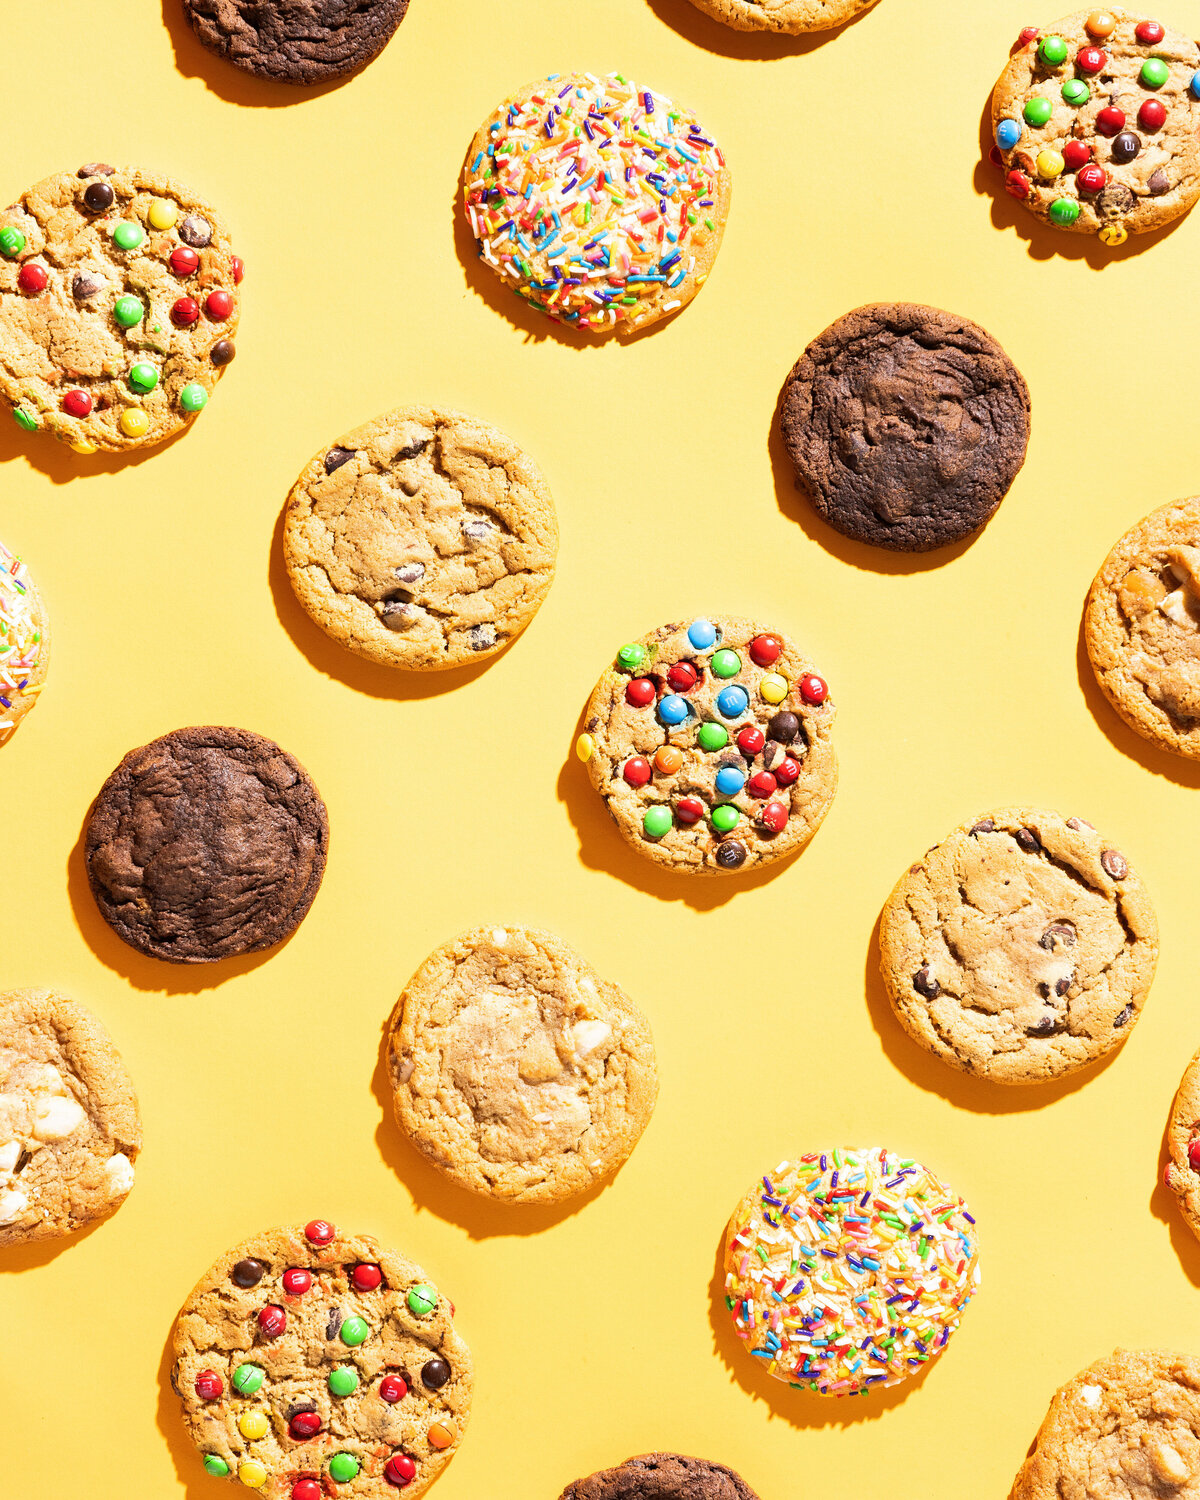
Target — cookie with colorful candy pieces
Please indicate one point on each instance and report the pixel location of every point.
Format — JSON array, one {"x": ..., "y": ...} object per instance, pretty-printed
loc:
[
  {"x": 597, "y": 200},
  {"x": 312, "y": 1364},
  {"x": 24, "y": 642},
  {"x": 849, "y": 1270},
  {"x": 1182, "y": 1174},
  {"x": 1095, "y": 123},
  {"x": 710, "y": 743}
]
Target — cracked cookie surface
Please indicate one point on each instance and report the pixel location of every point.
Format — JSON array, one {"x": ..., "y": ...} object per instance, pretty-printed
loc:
[
  {"x": 906, "y": 425},
  {"x": 1182, "y": 1173},
  {"x": 1142, "y": 627},
  {"x": 312, "y": 1362},
  {"x": 662, "y": 1476},
  {"x": 422, "y": 540},
  {"x": 70, "y": 1131},
  {"x": 710, "y": 743},
  {"x": 24, "y": 642},
  {"x": 296, "y": 41},
  {"x": 791, "y": 17},
  {"x": 518, "y": 1071},
  {"x": 1020, "y": 948},
  {"x": 206, "y": 843},
  {"x": 1126, "y": 1428},
  {"x": 118, "y": 306}
]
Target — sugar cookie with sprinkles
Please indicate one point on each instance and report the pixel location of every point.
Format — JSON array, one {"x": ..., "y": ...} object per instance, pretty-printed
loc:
[
  {"x": 311, "y": 1363},
  {"x": 1095, "y": 123},
  {"x": 599, "y": 201},
  {"x": 24, "y": 642},
  {"x": 710, "y": 743},
  {"x": 849, "y": 1269},
  {"x": 119, "y": 303}
]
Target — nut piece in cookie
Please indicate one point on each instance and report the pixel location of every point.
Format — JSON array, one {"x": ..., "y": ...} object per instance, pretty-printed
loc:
[
  {"x": 24, "y": 642},
  {"x": 296, "y": 41},
  {"x": 1020, "y": 948},
  {"x": 310, "y": 1362},
  {"x": 662, "y": 1476},
  {"x": 518, "y": 1071}
]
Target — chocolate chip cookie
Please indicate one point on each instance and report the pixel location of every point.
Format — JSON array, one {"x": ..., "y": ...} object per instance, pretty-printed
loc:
[
  {"x": 1020, "y": 948},
  {"x": 662, "y": 1476},
  {"x": 310, "y": 1362},
  {"x": 1126, "y": 1428},
  {"x": 906, "y": 425},
  {"x": 70, "y": 1132},
  {"x": 516, "y": 1069},
  {"x": 118, "y": 306},
  {"x": 206, "y": 843},
  {"x": 1095, "y": 120},
  {"x": 1142, "y": 627},
  {"x": 792, "y": 17},
  {"x": 24, "y": 642},
  {"x": 710, "y": 743},
  {"x": 422, "y": 540},
  {"x": 296, "y": 41},
  {"x": 1182, "y": 1174}
]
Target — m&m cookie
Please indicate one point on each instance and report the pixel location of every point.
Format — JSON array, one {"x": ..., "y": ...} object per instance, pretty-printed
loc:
[
  {"x": 599, "y": 201},
  {"x": 24, "y": 642},
  {"x": 1182, "y": 1174},
  {"x": 710, "y": 742},
  {"x": 849, "y": 1269}
]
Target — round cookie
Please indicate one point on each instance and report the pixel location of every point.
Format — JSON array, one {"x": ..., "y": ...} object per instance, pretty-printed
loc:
[
  {"x": 848, "y": 1269},
  {"x": 70, "y": 1131},
  {"x": 518, "y": 1071},
  {"x": 599, "y": 201},
  {"x": 118, "y": 306},
  {"x": 790, "y": 17},
  {"x": 24, "y": 642},
  {"x": 906, "y": 425},
  {"x": 1095, "y": 120},
  {"x": 1020, "y": 948},
  {"x": 311, "y": 1363},
  {"x": 710, "y": 742},
  {"x": 1126, "y": 1428},
  {"x": 1142, "y": 627},
  {"x": 422, "y": 540},
  {"x": 662, "y": 1476},
  {"x": 1182, "y": 1173},
  {"x": 206, "y": 843},
  {"x": 296, "y": 41}
]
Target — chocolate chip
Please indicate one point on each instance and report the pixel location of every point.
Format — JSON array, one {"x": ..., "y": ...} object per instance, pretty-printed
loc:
[
  {"x": 593, "y": 722},
  {"x": 1158, "y": 182},
  {"x": 1125, "y": 1016},
  {"x": 411, "y": 572},
  {"x": 85, "y": 285},
  {"x": 1125, "y": 146},
  {"x": 1027, "y": 840},
  {"x": 336, "y": 457},
  {"x": 1078, "y": 823},
  {"x": 730, "y": 854},
  {"x": 985, "y": 825},
  {"x": 412, "y": 450},
  {"x": 482, "y": 637},
  {"x": 1057, "y": 932},
  {"x": 222, "y": 352},
  {"x": 477, "y": 530},
  {"x": 771, "y": 752},
  {"x": 925, "y": 984},
  {"x": 410, "y": 487},
  {"x": 434, "y": 1374},
  {"x": 1114, "y": 863},
  {"x": 336, "y": 1317},
  {"x": 196, "y": 231},
  {"x": 98, "y": 196},
  {"x": 396, "y": 614},
  {"x": 1064, "y": 984},
  {"x": 1042, "y": 1027},
  {"x": 784, "y": 727},
  {"x": 248, "y": 1273},
  {"x": 96, "y": 169}
]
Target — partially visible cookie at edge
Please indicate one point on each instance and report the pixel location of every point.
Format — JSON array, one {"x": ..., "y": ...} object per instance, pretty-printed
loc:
[
  {"x": 662, "y": 1476},
  {"x": 788, "y": 17},
  {"x": 296, "y": 41},
  {"x": 24, "y": 642},
  {"x": 1182, "y": 1173}
]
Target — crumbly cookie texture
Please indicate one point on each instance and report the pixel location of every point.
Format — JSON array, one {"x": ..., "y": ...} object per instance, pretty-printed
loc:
[
  {"x": 792, "y": 17},
  {"x": 118, "y": 306},
  {"x": 206, "y": 843},
  {"x": 421, "y": 540},
  {"x": 296, "y": 41},
  {"x": 1020, "y": 948},
  {"x": 1126, "y": 1428},
  {"x": 849, "y": 1269},
  {"x": 1182, "y": 1173},
  {"x": 518, "y": 1071},
  {"x": 906, "y": 425},
  {"x": 70, "y": 1132},
  {"x": 597, "y": 200},
  {"x": 24, "y": 642},
  {"x": 662, "y": 1476},
  {"x": 311, "y": 1362},
  {"x": 1095, "y": 122},
  {"x": 1142, "y": 627},
  {"x": 710, "y": 743}
]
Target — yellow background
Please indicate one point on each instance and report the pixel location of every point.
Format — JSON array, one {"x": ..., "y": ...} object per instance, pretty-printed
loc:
[{"x": 454, "y": 800}]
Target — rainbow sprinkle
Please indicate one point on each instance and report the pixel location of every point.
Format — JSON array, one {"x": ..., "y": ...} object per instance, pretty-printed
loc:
[
  {"x": 851, "y": 1271},
  {"x": 20, "y": 639},
  {"x": 598, "y": 199}
]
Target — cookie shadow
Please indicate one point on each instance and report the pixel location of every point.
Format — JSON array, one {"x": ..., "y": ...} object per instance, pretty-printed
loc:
[
  {"x": 695, "y": 26},
  {"x": 1163, "y": 1206},
  {"x": 62, "y": 466},
  {"x": 189, "y": 1466},
  {"x": 31, "y": 1257}
]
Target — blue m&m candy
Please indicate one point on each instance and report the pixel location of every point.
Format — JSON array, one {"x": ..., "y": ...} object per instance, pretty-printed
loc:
[
  {"x": 672, "y": 709},
  {"x": 1008, "y": 133},
  {"x": 702, "y": 634},
  {"x": 1194, "y": 86},
  {"x": 732, "y": 701},
  {"x": 730, "y": 781}
]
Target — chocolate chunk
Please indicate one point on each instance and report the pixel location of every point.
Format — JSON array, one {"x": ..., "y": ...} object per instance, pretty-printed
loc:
[
  {"x": 1058, "y": 934},
  {"x": 1158, "y": 182},
  {"x": 222, "y": 352},
  {"x": 248, "y": 1273},
  {"x": 1064, "y": 984},
  {"x": 195, "y": 231},
  {"x": 925, "y": 984},
  {"x": 85, "y": 285},
  {"x": 1078, "y": 823},
  {"x": 1114, "y": 864},
  {"x": 410, "y": 487},
  {"x": 1125, "y": 1016},
  {"x": 985, "y": 825},
  {"x": 477, "y": 531},
  {"x": 771, "y": 752},
  {"x": 784, "y": 727},
  {"x": 730, "y": 854},
  {"x": 482, "y": 637},
  {"x": 1027, "y": 840},
  {"x": 96, "y": 169},
  {"x": 1042, "y": 1027},
  {"x": 434, "y": 1374},
  {"x": 412, "y": 450},
  {"x": 1114, "y": 201},
  {"x": 1125, "y": 146},
  {"x": 334, "y": 1322},
  {"x": 336, "y": 457},
  {"x": 98, "y": 196},
  {"x": 397, "y": 614}
]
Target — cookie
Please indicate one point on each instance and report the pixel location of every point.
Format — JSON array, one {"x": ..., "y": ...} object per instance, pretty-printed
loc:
[
  {"x": 422, "y": 540},
  {"x": 662, "y": 1476},
  {"x": 118, "y": 306},
  {"x": 906, "y": 425},
  {"x": 791, "y": 17},
  {"x": 1142, "y": 627},
  {"x": 1126, "y": 1428},
  {"x": 296, "y": 41},
  {"x": 204, "y": 844},
  {"x": 849, "y": 1270},
  {"x": 710, "y": 744},
  {"x": 1095, "y": 120},
  {"x": 1020, "y": 948},
  {"x": 597, "y": 200},
  {"x": 311, "y": 1363},
  {"x": 1182, "y": 1173},
  {"x": 70, "y": 1131},
  {"x": 24, "y": 642},
  {"x": 518, "y": 1071}
]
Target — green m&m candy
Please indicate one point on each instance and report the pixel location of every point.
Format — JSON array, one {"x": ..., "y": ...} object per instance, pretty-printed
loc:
[
  {"x": 657, "y": 822},
  {"x": 343, "y": 1467},
  {"x": 25, "y": 419},
  {"x": 355, "y": 1331},
  {"x": 1052, "y": 51},
  {"x": 343, "y": 1381},
  {"x": 215, "y": 1465},
  {"x": 247, "y": 1379},
  {"x": 193, "y": 398},
  {"x": 712, "y": 736},
  {"x": 12, "y": 242},
  {"x": 1037, "y": 110},
  {"x": 421, "y": 1299},
  {"x": 142, "y": 377},
  {"x": 1076, "y": 92},
  {"x": 1064, "y": 211},
  {"x": 1154, "y": 73},
  {"x": 725, "y": 663},
  {"x": 725, "y": 818},
  {"x": 128, "y": 235},
  {"x": 128, "y": 311},
  {"x": 630, "y": 658}
]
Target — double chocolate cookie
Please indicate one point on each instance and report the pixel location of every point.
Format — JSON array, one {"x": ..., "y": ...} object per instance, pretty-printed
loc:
[
  {"x": 906, "y": 425},
  {"x": 662, "y": 1476},
  {"x": 296, "y": 41}
]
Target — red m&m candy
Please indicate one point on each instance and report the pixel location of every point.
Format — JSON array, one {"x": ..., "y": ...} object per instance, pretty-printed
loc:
[
  {"x": 1152, "y": 114},
  {"x": 765, "y": 649},
  {"x": 689, "y": 810},
  {"x": 77, "y": 404},
  {"x": 366, "y": 1277},
  {"x": 683, "y": 677},
  {"x": 305, "y": 1424},
  {"x": 272, "y": 1320},
  {"x": 218, "y": 305},
  {"x": 750, "y": 740},
  {"x": 1076, "y": 154},
  {"x": 238, "y": 266},
  {"x": 32, "y": 277},
  {"x": 392, "y": 1389},
  {"x": 774, "y": 816},
  {"x": 814, "y": 689},
  {"x": 1017, "y": 184},
  {"x": 786, "y": 771},
  {"x": 319, "y": 1232},
  {"x": 296, "y": 1282},
  {"x": 1091, "y": 179},
  {"x": 400, "y": 1470},
  {"x": 183, "y": 261},
  {"x": 1090, "y": 59},
  {"x": 209, "y": 1385},
  {"x": 1110, "y": 120},
  {"x": 1194, "y": 1154},
  {"x": 307, "y": 1489},
  {"x": 1149, "y": 33},
  {"x": 639, "y": 692},
  {"x": 636, "y": 771},
  {"x": 185, "y": 311},
  {"x": 761, "y": 784},
  {"x": 1028, "y": 34}
]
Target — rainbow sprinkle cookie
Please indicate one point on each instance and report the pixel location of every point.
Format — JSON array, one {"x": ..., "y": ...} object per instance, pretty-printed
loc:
[
  {"x": 601, "y": 202},
  {"x": 849, "y": 1270},
  {"x": 24, "y": 642}
]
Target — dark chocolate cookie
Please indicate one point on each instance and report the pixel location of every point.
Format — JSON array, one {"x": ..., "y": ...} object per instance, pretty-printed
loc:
[
  {"x": 662, "y": 1476},
  {"x": 296, "y": 41},
  {"x": 906, "y": 425},
  {"x": 205, "y": 844}
]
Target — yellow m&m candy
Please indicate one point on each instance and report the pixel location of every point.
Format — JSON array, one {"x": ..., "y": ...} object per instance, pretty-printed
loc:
[
  {"x": 83, "y": 447},
  {"x": 1114, "y": 234},
  {"x": 773, "y": 687},
  {"x": 253, "y": 1474},
  {"x": 163, "y": 213},
  {"x": 253, "y": 1424},
  {"x": 1050, "y": 164},
  {"x": 134, "y": 422},
  {"x": 585, "y": 747}
]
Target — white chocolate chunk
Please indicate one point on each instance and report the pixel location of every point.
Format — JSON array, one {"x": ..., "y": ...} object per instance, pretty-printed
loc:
[
  {"x": 499, "y": 936},
  {"x": 119, "y": 1171},
  {"x": 13, "y": 1203},
  {"x": 1090, "y": 1395},
  {"x": 10, "y": 1154},
  {"x": 1167, "y": 1464},
  {"x": 1178, "y": 607},
  {"x": 588, "y": 1035},
  {"x": 56, "y": 1118}
]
